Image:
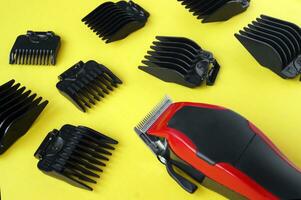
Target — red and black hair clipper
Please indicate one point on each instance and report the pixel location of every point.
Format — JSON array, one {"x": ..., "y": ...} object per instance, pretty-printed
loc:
[{"x": 219, "y": 149}]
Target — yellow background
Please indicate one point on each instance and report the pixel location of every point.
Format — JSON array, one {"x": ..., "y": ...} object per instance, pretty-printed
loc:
[{"x": 272, "y": 103}]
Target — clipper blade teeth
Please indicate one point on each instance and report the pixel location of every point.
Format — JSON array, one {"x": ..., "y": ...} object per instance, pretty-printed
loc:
[
  {"x": 275, "y": 44},
  {"x": 87, "y": 83},
  {"x": 18, "y": 111},
  {"x": 75, "y": 154},
  {"x": 115, "y": 21},
  {"x": 179, "y": 60},
  {"x": 35, "y": 48},
  {"x": 215, "y": 10},
  {"x": 154, "y": 114}
]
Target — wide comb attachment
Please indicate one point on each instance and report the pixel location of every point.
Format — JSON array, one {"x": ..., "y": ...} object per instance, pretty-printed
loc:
[
  {"x": 35, "y": 48},
  {"x": 215, "y": 10},
  {"x": 275, "y": 44},
  {"x": 180, "y": 60},
  {"x": 115, "y": 21},
  {"x": 18, "y": 110},
  {"x": 75, "y": 154},
  {"x": 86, "y": 83}
]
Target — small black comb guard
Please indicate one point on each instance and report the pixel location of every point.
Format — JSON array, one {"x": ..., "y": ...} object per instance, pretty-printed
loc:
[
  {"x": 115, "y": 21},
  {"x": 275, "y": 44},
  {"x": 84, "y": 83},
  {"x": 35, "y": 48},
  {"x": 74, "y": 154},
  {"x": 180, "y": 60},
  {"x": 18, "y": 110},
  {"x": 215, "y": 10}
]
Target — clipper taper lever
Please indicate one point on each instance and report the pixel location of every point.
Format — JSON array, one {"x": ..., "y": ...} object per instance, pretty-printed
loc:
[{"x": 219, "y": 149}]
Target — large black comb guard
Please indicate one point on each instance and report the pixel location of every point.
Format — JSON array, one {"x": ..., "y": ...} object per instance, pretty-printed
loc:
[
  {"x": 275, "y": 44},
  {"x": 35, "y": 48},
  {"x": 115, "y": 21},
  {"x": 180, "y": 60},
  {"x": 86, "y": 83},
  {"x": 18, "y": 111},
  {"x": 75, "y": 154},
  {"x": 215, "y": 10}
]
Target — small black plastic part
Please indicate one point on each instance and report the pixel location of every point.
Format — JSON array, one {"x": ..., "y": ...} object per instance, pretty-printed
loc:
[
  {"x": 35, "y": 48},
  {"x": 212, "y": 73},
  {"x": 74, "y": 154},
  {"x": 275, "y": 44},
  {"x": 86, "y": 83},
  {"x": 172, "y": 160},
  {"x": 18, "y": 110},
  {"x": 180, "y": 60},
  {"x": 183, "y": 182},
  {"x": 215, "y": 10},
  {"x": 115, "y": 21}
]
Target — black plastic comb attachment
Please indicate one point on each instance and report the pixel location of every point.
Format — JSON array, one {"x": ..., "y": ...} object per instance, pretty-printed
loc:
[
  {"x": 75, "y": 154},
  {"x": 86, "y": 83},
  {"x": 275, "y": 44},
  {"x": 215, "y": 10},
  {"x": 35, "y": 48},
  {"x": 115, "y": 21},
  {"x": 18, "y": 110},
  {"x": 180, "y": 60}
]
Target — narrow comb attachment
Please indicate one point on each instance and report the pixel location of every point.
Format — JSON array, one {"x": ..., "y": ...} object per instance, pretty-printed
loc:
[
  {"x": 152, "y": 116},
  {"x": 35, "y": 48},
  {"x": 18, "y": 111},
  {"x": 115, "y": 21},
  {"x": 275, "y": 44},
  {"x": 74, "y": 154},
  {"x": 215, "y": 10},
  {"x": 180, "y": 60},
  {"x": 86, "y": 83}
]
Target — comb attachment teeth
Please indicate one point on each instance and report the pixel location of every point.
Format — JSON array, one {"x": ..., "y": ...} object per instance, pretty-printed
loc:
[
  {"x": 86, "y": 83},
  {"x": 180, "y": 60},
  {"x": 115, "y": 21},
  {"x": 75, "y": 154},
  {"x": 215, "y": 10},
  {"x": 35, "y": 48},
  {"x": 18, "y": 111},
  {"x": 275, "y": 44}
]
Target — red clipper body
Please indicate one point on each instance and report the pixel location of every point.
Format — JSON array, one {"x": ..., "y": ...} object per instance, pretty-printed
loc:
[{"x": 220, "y": 150}]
